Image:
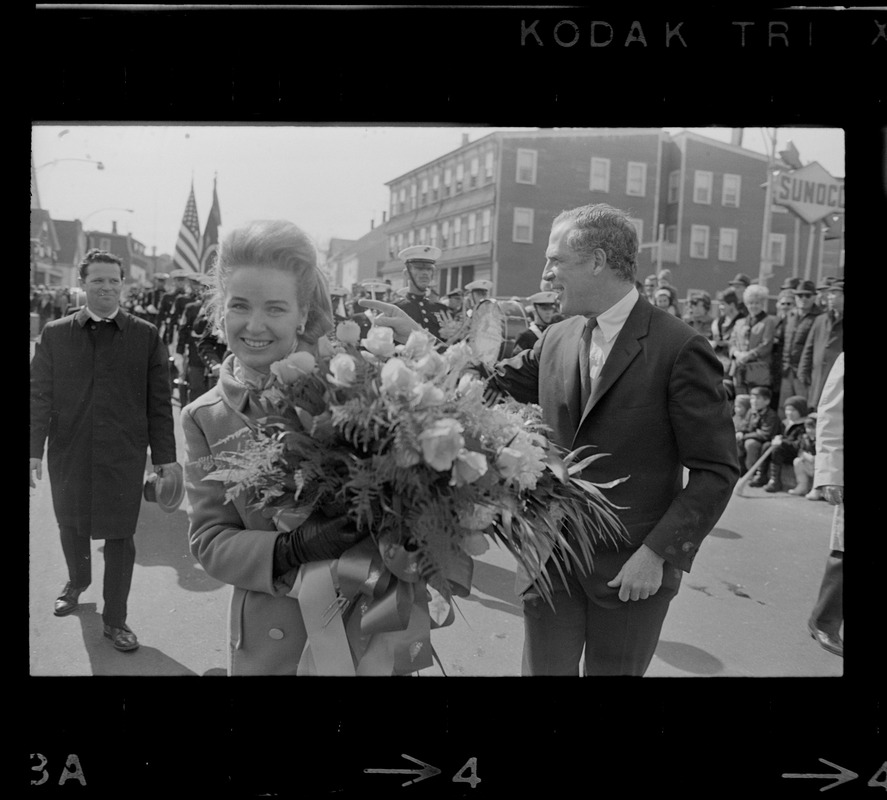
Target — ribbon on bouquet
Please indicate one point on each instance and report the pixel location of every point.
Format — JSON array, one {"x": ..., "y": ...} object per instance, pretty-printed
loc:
[{"x": 368, "y": 613}]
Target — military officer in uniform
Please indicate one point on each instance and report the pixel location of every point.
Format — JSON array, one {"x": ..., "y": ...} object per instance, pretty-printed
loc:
[
  {"x": 544, "y": 310},
  {"x": 419, "y": 268}
]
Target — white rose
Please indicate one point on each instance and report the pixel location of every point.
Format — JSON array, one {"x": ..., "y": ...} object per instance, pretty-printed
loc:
[
  {"x": 343, "y": 369},
  {"x": 380, "y": 341},
  {"x": 441, "y": 443},
  {"x": 397, "y": 377},
  {"x": 468, "y": 467},
  {"x": 294, "y": 366}
]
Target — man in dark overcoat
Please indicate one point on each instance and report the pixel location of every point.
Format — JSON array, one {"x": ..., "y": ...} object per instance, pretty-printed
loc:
[{"x": 100, "y": 395}]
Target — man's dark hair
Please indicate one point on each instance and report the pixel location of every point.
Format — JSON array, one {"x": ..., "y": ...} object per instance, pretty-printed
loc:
[
  {"x": 96, "y": 256},
  {"x": 605, "y": 227}
]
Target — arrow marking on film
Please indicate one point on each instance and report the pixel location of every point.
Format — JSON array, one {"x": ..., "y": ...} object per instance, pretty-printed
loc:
[
  {"x": 842, "y": 777},
  {"x": 427, "y": 770}
]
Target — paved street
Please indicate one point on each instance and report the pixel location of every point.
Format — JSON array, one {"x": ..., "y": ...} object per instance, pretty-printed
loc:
[{"x": 741, "y": 612}]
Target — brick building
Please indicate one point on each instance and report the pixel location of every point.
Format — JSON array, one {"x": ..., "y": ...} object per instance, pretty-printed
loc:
[
  {"x": 137, "y": 266},
  {"x": 489, "y": 206}
]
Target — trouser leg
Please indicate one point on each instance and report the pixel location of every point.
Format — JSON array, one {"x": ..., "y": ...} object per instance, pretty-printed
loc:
[
  {"x": 828, "y": 613},
  {"x": 76, "y": 549},
  {"x": 622, "y": 640},
  {"x": 554, "y": 637},
  {"x": 120, "y": 556}
]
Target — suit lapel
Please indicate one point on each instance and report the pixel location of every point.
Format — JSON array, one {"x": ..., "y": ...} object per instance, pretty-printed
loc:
[
  {"x": 569, "y": 347},
  {"x": 625, "y": 349}
]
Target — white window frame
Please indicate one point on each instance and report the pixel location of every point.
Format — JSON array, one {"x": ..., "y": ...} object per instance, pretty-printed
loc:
[
  {"x": 423, "y": 233},
  {"x": 705, "y": 230},
  {"x": 533, "y": 155},
  {"x": 596, "y": 185},
  {"x": 674, "y": 185},
  {"x": 457, "y": 231},
  {"x": 411, "y": 237},
  {"x": 392, "y": 246},
  {"x": 486, "y": 219},
  {"x": 433, "y": 238},
  {"x": 488, "y": 165},
  {"x": 445, "y": 234},
  {"x": 460, "y": 176},
  {"x": 628, "y": 181},
  {"x": 738, "y": 179},
  {"x": 699, "y": 177},
  {"x": 671, "y": 234},
  {"x": 393, "y": 202},
  {"x": 435, "y": 186},
  {"x": 472, "y": 228},
  {"x": 473, "y": 171},
  {"x": 399, "y": 242},
  {"x": 528, "y": 224},
  {"x": 423, "y": 194},
  {"x": 781, "y": 240},
  {"x": 447, "y": 180},
  {"x": 639, "y": 227},
  {"x": 735, "y": 246}
]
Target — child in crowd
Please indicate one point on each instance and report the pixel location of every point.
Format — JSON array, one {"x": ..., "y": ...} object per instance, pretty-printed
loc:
[
  {"x": 741, "y": 412},
  {"x": 805, "y": 461},
  {"x": 763, "y": 423},
  {"x": 785, "y": 444}
]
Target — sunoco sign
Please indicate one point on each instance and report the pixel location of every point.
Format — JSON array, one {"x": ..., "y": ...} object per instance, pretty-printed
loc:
[{"x": 810, "y": 192}]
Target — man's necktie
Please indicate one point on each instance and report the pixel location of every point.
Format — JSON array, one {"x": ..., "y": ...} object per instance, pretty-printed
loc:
[{"x": 584, "y": 366}]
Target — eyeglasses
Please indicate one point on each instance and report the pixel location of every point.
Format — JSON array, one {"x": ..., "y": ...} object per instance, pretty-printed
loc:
[{"x": 786, "y": 303}]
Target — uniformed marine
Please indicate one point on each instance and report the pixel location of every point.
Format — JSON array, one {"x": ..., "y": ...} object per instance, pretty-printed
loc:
[
  {"x": 419, "y": 270},
  {"x": 544, "y": 310}
]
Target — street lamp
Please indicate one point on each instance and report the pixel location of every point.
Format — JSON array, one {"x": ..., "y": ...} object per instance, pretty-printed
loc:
[
  {"x": 108, "y": 208},
  {"x": 99, "y": 164}
]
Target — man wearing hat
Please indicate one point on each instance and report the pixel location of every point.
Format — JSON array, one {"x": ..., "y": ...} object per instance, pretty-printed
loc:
[
  {"x": 374, "y": 289},
  {"x": 192, "y": 366},
  {"x": 544, "y": 309},
  {"x": 454, "y": 301},
  {"x": 153, "y": 297},
  {"x": 166, "y": 321},
  {"x": 740, "y": 283},
  {"x": 100, "y": 396},
  {"x": 797, "y": 329},
  {"x": 419, "y": 269},
  {"x": 338, "y": 295},
  {"x": 825, "y": 341}
]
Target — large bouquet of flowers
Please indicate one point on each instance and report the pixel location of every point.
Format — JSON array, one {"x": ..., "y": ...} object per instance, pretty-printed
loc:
[{"x": 401, "y": 439}]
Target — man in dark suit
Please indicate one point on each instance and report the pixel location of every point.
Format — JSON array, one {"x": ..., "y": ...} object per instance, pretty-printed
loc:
[
  {"x": 100, "y": 395},
  {"x": 824, "y": 342},
  {"x": 642, "y": 386}
]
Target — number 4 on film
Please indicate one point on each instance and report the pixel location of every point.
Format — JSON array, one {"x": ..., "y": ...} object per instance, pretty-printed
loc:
[{"x": 459, "y": 777}]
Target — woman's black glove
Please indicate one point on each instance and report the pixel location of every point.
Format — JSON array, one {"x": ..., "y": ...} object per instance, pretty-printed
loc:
[{"x": 318, "y": 538}]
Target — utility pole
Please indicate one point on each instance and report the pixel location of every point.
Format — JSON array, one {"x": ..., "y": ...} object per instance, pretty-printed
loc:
[{"x": 765, "y": 271}]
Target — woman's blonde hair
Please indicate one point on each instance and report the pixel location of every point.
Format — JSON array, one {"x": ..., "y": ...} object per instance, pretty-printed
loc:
[{"x": 276, "y": 244}]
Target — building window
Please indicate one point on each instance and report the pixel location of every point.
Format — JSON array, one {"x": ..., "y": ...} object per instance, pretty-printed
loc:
[
  {"x": 474, "y": 171},
  {"x": 435, "y": 186},
  {"x": 523, "y": 226},
  {"x": 423, "y": 195},
  {"x": 777, "y": 249},
  {"x": 526, "y": 166},
  {"x": 411, "y": 238},
  {"x": 413, "y": 193},
  {"x": 639, "y": 227},
  {"x": 457, "y": 232},
  {"x": 488, "y": 166},
  {"x": 600, "y": 175},
  {"x": 727, "y": 244},
  {"x": 104, "y": 244},
  {"x": 392, "y": 247},
  {"x": 730, "y": 190},
  {"x": 445, "y": 234},
  {"x": 447, "y": 180},
  {"x": 460, "y": 173},
  {"x": 423, "y": 232},
  {"x": 472, "y": 228},
  {"x": 636, "y": 183},
  {"x": 402, "y": 199},
  {"x": 399, "y": 242},
  {"x": 699, "y": 241},
  {"x": 433, "y": 241},
  {"x": 674, "y": 185},
  {"x": 485, "y": 225},
  {"x": 671, "y": 234},
  {"x": 455, "y": 278},
  {"x": 702, "y": 187},
  {"x": 393, "y": 202}
]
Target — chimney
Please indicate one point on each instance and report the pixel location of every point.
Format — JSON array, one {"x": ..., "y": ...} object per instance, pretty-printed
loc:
[
  {"x": 114, "y": 226},
  {"x": 736, "y": 137},
  {"x": 464, "y": 139},
  {"x": 372, "y": 224}
]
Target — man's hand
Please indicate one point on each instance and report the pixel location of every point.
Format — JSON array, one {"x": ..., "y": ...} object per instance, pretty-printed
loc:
[
  {"x": 160, "y": 469},
  {"x": 640, "y": 576},
  {"x": 834, "y": 495},
  {"x": 392, "y": 317},
  {"x": 36, "y": 468}
]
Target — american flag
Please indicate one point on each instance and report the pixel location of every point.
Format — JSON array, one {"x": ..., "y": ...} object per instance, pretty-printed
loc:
[
  {"x": 187, "y": 255},
  {"x": 211, "y": 234}
]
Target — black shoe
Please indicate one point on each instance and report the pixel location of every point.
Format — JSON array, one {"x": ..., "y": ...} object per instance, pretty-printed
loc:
[
  {"x": 773, "y": 486},
  {"x": 827, "y": 641},
  {"x": 123, "y": 638},
  {"x": 758, "y": 480},
  {"x": 66, "y": 602}
]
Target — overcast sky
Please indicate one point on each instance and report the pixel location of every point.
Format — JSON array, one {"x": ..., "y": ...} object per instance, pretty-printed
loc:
[{"x": 329, "y": 181}]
